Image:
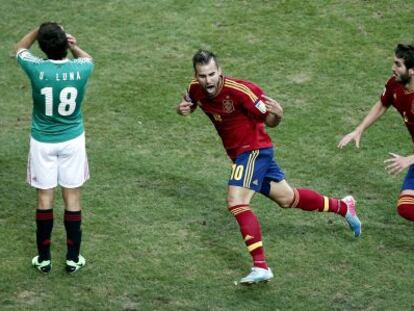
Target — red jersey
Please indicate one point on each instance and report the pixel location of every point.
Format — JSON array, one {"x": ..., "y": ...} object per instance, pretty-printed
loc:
[
  {"x": 403, "y": 100},
  {"x": 238, "y": 114}
]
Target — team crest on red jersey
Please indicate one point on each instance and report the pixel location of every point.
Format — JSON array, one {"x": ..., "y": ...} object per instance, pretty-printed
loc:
[{"x": 228, "y": 105}]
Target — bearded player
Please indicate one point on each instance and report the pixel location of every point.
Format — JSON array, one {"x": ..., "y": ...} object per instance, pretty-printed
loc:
[
  {"x": 57, "y": 153},
  {"x": 240, "y": 110},
  {"x": 398, "y": 92}
]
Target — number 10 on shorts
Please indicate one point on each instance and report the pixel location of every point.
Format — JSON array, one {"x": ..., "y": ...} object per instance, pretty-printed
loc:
[{"x": 237, "y": 172}]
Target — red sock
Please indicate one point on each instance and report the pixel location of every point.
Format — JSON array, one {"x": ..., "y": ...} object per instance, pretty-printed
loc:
[
  {"x": 251, "y": 233},
  {"x": 405, "y": 206},
  {"x": 310, "y": 200}
]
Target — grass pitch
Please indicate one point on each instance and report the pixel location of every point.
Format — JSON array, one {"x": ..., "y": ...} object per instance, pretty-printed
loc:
[{"x": 157, "y": 235}]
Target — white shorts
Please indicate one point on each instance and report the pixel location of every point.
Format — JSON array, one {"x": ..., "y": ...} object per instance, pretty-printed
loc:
[{"x": 64, "y": 163}]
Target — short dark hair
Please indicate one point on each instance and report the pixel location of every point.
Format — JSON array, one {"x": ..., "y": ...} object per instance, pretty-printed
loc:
[
  {"x": 406, "y": 52},
  {"x": 203, "y": 57},
  {"x": 52, "y": 40}
]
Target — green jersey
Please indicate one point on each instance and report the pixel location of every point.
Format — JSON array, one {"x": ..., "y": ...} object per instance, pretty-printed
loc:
[{"x": 58, "y": 88}]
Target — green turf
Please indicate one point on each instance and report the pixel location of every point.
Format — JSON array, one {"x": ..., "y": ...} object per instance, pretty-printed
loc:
[{"x": 157, "y": 235}]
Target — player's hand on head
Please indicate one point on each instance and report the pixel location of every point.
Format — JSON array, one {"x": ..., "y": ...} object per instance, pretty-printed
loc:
[{"x": 71, "y": 40}]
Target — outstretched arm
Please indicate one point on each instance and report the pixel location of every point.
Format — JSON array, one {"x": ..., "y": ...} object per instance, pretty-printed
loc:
[
  {"x": 76, "y": 51},
  {"x": 275, "y": 110},
  {"x": 375, "y": 113},
  {"x": 27, "y": 41}
]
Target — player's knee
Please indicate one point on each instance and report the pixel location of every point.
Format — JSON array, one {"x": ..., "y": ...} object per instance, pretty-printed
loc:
[
  {"x": 284, "y": 204},
  {"x": 45, "y": 198},
  {"x": 286, "y": 200},
  {"x": 233, "y": 200},
  {"x": 282, "y": 194}
]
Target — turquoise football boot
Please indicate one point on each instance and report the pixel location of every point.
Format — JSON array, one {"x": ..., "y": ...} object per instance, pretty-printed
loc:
[{"x": 351, "y": 216}]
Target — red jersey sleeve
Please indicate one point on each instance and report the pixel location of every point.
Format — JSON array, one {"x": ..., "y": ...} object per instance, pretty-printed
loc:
[
  {"x": 387, "y": 97},
  {"x": 191, "y": 94}
]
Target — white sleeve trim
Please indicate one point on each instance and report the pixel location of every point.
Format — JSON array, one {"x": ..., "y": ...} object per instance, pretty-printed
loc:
[
  {"x": 83, "y": 60},
  {"x": 26, "y": 55},
  {"x": 20, "y": 51}
]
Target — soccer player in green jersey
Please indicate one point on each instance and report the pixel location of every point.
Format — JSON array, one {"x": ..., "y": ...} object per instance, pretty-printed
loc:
[{"x": 57, "y": 153}]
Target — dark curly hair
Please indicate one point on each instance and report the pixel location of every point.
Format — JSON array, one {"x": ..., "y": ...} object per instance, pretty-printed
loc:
[
  {"x": 406, "y": 52},
  {"x": 52, "y": 40}
]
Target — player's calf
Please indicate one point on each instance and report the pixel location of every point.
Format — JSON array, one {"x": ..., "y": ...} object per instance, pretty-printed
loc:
[
  {"x": 405, "y": 206},
  {"x": 251, "y": 233}
]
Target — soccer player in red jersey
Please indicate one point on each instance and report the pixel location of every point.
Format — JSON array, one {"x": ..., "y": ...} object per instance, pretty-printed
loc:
[
  {"x": 240, "y": 110},
  {"x": 398, "y": 92}
]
